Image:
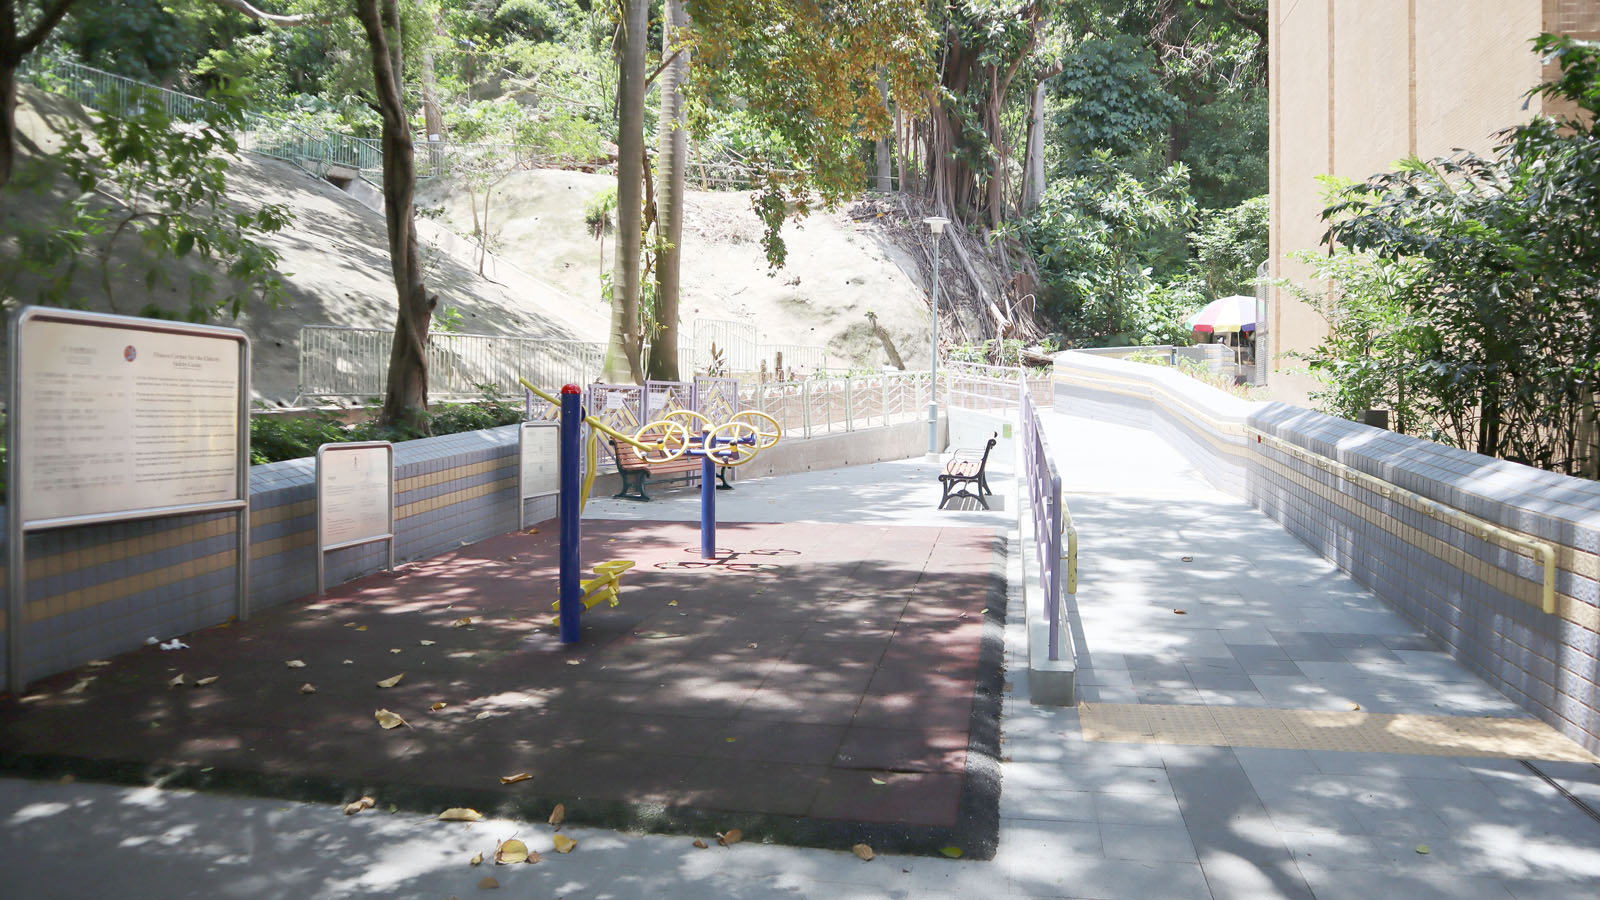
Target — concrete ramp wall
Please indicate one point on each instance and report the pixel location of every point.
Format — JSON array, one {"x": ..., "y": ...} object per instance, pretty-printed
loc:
[{"x": 1440, "y": 534}]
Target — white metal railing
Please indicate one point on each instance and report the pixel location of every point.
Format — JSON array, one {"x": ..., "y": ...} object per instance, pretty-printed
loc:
[{"x": 336, "y": 361}]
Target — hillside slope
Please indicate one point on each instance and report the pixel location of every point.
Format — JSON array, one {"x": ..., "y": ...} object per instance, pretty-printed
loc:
[
  {"x": 336, "y": 272},
  {"x": 838, "y": 269}
]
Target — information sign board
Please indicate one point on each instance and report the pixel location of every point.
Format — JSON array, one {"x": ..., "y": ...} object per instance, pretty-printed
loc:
[
  {"x": 119, "y": 419},
  {"x": 355, "y": 498},
  {"x": 540, "y": 469}
]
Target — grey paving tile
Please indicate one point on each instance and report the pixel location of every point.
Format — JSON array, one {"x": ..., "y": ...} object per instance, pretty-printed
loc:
[
  {"x": 1158, "y": 843},
  {"x": 1063, "y": 806},
  {"x": 1361, "y": 884},
  {"x": 1241, "y": 854},
  {"x": 1136, "y": 809},
  {"x": 1111, "y": 880}
]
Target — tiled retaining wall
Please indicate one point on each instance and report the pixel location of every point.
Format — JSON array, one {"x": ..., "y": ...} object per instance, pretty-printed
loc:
[
  {"x": 1478, "y": 598},
  {"x": 101, "y": 590}
]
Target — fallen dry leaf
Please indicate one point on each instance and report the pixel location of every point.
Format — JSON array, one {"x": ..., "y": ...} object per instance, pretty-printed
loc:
[
  {"x": 394, "y": 649},
  {"x": 483, "y": 715},
  {"x": 82, "y": 686},
  {"x": 460, "y": 814},
  {"x": 462, "y": 622},
  {"x": 488, "y": 883},
  {"x": 1180, "y": 612},
  {"x": 368, "y": 802},
  {"x": 952, "y": 852},
  {"x": 574, "y": 662},
  {"x": 351, "y": 809},
  {"x": 391, "y": 681},
  {"x": 510, "y": 852},
  {"x": 1188, "y": 559},
  {"x": 672, "y": 603},
  {"x": 476, "y": 860},
  {"x": 308, "y": 688},
  {"x": 559, "y": 814},
  {"x": 97, "y": 663},
  {"x": 295, "y": 663},
  {"x": 733, "y": 836},
  {"x": 879, "y": 781},
  {"x": 426, "y": 643},
  {"x": 533, "y": 857},
  {"x": 438, "y": 706},
  {"x": 175, "y": 682},
  {"x": 349, "y": 662},
  {"x": 863, "y": 851},
  {"x": 564, "y": 844},
  {"x": 388, "y": 719},
  {"x": 1423, "y": 849},
  {"x": 361, "y": 628},
  {"x": 513, "y": 779},
  {"x": 1355, "y": 707},
  {"x": 209, "y": 679},
  {"x": 700, "y": 844}
]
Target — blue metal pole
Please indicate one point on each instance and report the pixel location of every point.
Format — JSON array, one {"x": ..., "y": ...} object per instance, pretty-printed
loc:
[
  {"x": 708, "y": 506},
  {"x": 569, "y": 509}
]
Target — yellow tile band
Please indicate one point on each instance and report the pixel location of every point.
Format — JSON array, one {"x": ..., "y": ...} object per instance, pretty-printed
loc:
[{"x": 1305, "y": 729}]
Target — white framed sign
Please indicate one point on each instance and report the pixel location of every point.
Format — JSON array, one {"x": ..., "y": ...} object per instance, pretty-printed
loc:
[
  {"x": 119, "y": 418},
  {"x": 539, "y": 467},
  {"x": 355, "y": 498}
]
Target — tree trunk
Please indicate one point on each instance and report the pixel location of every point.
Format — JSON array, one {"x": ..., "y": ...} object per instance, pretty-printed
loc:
[
  {"x": 8, "y": 122},
  {"x": 1033, "y": 179},
  {"x": 885, "y": 164},
  {"x": 13, "y": 48},
  {"x": 405, "y": 401},
  {"x": 622, "y": 350},
  {"x": 673, "y": 159},
  {"x": 432, "y": 113}
]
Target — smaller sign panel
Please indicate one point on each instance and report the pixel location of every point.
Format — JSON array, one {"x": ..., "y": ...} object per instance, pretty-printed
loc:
[
  {"x": 660, "y": 401},
  {"x": 541, "y": 465},
  {"x": 355, "y": 489}
]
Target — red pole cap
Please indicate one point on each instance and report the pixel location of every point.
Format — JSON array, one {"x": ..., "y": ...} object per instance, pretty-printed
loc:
[{"x": 571, "y": 389}]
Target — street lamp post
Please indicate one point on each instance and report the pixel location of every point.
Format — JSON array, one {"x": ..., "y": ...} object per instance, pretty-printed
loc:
[{"x": 935, "y": 224}]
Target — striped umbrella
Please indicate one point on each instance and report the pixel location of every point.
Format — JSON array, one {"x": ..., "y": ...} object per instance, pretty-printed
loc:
[{"x": 1236, "y": 313}]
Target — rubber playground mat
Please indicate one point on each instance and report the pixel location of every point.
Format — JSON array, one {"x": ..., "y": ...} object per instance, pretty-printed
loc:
[{"x": 817, "y": 685}]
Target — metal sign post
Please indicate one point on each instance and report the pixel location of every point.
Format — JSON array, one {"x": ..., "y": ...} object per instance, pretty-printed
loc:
[
  {"x": 115, "y": 419},
  {"x": 355, "y": 499}
]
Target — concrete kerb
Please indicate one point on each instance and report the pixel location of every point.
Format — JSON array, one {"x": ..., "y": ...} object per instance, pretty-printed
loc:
[{"x": 1051, "y": 682}]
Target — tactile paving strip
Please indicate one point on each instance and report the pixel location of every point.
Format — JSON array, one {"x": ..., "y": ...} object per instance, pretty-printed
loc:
[{"x": 1304, "y": 729}]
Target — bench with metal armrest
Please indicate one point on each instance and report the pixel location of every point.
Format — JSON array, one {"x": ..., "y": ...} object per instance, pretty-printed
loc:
[{"x": 967, "y": 467}]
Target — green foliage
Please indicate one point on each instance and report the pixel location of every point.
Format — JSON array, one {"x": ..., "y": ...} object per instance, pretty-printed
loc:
[
  {"x": 1090, "y": 236},
  {"x": 600, "y": 212},
  {"x": 1115, "y": 100},
  {"x": 1501, "y": 312},
  {"x": 149, "y": 194},
  {"x": 1373, "y": 354},
  {"x": 1229, "y": 245},
  {"x": 805, "y": 74},
  {"x": 539, "y": 20},
  {"x": 275, "y": 437}
]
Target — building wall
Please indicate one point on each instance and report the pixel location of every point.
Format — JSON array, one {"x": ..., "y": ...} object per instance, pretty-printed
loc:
[{"x": 1359, "y": 84}]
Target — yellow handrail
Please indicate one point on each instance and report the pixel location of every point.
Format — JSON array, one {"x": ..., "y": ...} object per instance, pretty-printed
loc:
[
  {"x": 597, "y": 426},
  {"x": 1432, "y": 508}
]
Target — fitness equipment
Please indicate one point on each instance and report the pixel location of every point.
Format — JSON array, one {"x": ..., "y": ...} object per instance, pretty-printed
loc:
[{"x": 732, "y": 443}]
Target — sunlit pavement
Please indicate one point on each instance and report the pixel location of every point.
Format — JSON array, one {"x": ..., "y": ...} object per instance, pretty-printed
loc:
[{"x": 1266, "y": 624}]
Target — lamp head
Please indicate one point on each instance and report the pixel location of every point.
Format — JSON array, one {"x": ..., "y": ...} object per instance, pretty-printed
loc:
[{"x": 936, "y": 223}]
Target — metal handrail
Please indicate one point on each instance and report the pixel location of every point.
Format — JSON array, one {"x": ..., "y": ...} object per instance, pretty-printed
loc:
[{"x": 1430, "y": 507}]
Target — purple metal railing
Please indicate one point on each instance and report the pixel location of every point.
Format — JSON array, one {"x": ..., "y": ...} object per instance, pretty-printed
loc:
[{"x": 1044, "y": 497}]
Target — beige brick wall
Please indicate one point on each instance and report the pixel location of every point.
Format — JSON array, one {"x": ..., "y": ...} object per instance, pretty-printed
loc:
[{"x": 1359, "y": 84}]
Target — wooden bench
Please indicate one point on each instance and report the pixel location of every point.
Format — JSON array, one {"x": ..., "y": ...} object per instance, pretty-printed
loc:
[
  {"x": 967, "y": 467},
  {"x": 636, "y": 473}
]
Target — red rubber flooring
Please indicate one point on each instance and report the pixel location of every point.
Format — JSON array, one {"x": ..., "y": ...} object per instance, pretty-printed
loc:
[{"x": 817, "y": 685}]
